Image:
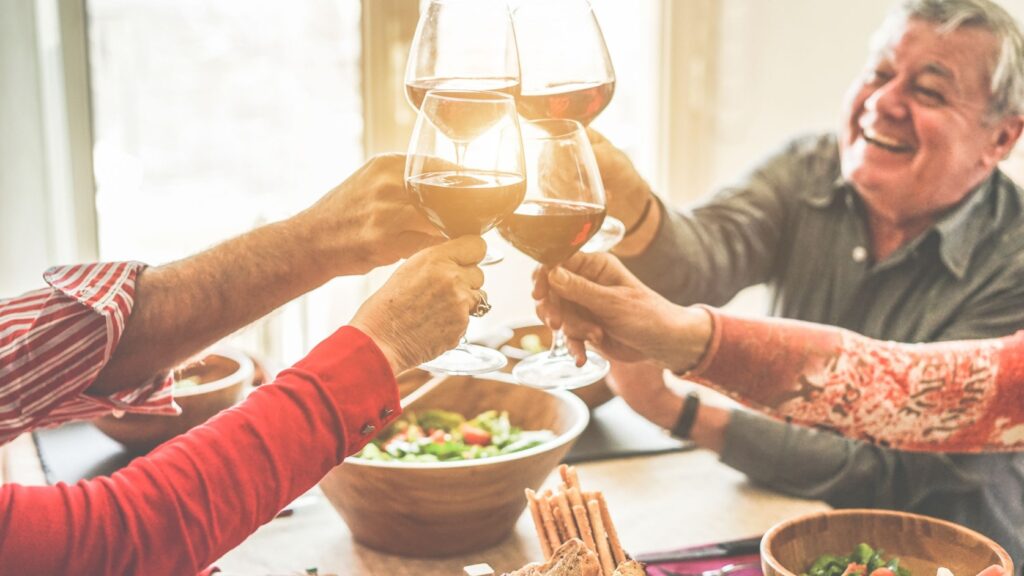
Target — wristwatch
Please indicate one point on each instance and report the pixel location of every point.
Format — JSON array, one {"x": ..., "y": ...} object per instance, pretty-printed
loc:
[{"x": 687, "y": 416}]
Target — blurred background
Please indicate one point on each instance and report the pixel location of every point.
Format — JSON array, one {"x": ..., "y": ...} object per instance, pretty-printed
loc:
[{"x": 150, "y": 129}]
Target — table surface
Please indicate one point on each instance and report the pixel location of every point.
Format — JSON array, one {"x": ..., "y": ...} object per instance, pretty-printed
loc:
[{"x": 657, "y": 502}]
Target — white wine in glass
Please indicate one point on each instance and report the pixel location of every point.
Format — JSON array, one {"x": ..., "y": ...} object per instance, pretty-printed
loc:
[{"x": 466, "y": 169}]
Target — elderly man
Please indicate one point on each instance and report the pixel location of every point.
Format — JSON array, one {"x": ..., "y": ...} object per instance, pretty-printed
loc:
[{"x": 898, "y": 227}]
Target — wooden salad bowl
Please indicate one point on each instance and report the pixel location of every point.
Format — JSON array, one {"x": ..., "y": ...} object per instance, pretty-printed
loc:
[
  {"x": 449, "y": 508},
  {"x": 922, "y": 543},
  {"x": 223, "y": 376}
]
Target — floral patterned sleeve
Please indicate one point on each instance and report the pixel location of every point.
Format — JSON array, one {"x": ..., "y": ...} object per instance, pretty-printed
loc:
[{"x": 965, "y": 396}]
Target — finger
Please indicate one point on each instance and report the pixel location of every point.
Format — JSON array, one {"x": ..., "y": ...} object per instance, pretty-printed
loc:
[
  {"x": 410, "y": 219},
  {"x": 540, "y": 282},
  {"x": 549, "y": 313},
  {"x": 595, "y": 136},
  {"x": 578, "y": 350},
  {"x": 599, "y": 267},
  {"x": 410, "y": 243},
  {"x": 465, "y": 250},
  {"x": 473, "y": 276},
  {"x": 579, "y": 290}
]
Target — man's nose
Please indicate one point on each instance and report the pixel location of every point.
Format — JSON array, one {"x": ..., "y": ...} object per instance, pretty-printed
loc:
[{"x": 890, "y": 100}]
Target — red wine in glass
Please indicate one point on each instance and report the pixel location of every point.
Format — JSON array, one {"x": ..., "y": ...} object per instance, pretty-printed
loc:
[
  {"x": 550, "y": 231},
  {"x": 580, "y": 101},
  {"x": 467, "y": 202}
]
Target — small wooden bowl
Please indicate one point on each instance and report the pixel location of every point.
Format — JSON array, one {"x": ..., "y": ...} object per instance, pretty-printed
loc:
[
  {"x": 449, "y": 508},
  {"x": 223, "y": 375},
  {"x": 922, "y": 543},
  {"x": 593, "y": 395}
]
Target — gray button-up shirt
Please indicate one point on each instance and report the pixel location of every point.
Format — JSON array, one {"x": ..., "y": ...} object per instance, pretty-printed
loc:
[{"x": 795, "y": 224}]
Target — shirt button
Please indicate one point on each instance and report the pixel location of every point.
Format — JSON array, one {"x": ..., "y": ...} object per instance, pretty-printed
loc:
[
  {"x": 367, "y": 429},
  {"x": 386, "y": 412},
  {"x": 860, "y": 254}
]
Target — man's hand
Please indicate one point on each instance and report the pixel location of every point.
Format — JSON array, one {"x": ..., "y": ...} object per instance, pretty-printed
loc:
[
  {"x": 369, "y": 220},
  {"x": 627, "y": 191},
  {"x": 424, "y": 307},
  {"x": 642, "y": 386},
  {"x": 613, "y": 310}
]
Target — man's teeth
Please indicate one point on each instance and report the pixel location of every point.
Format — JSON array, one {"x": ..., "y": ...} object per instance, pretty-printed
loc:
[{"x": 887, "y": 143}]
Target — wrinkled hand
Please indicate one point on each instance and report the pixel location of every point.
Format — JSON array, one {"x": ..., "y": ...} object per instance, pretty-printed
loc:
[
  {"x": 642, "y": 386},
  {"x": 424, "y": 307},
  {"x": 369, "y": 220},
  {"x": 618, "y": 314},
  {"x": 626, "y": 190}
]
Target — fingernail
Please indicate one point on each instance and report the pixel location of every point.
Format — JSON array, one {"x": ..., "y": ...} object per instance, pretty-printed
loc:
[{"x": 559, "y": 276}]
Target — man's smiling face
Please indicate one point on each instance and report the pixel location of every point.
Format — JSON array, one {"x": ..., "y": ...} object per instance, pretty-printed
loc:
[{"x": 918, "y": 135}]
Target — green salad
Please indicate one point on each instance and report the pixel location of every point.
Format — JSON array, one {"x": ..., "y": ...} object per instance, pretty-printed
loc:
[
  {"x": 443, "y": 436},
  {"x": 863, "y": 561}
]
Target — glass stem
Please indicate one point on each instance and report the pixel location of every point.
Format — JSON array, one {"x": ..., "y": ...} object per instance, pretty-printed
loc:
[{"x": 558, "y": 347}]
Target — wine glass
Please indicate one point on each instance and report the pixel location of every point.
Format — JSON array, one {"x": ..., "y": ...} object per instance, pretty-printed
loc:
[
  {"x": 564, "y": 207},
  {"x": 465, "y": 168},
  {"x": 566, "y": 73},
  {"x": 465, "y": 45}
]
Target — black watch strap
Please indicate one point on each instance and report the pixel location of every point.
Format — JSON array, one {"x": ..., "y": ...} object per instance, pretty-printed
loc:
[{"x": 687, "y": 416}]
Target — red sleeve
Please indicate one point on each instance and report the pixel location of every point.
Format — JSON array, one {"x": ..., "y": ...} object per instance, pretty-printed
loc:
[
  {"x": 53, "y": 343},
  {"x": 965, "y": 396},
  {"x": 195, "y": 497}
]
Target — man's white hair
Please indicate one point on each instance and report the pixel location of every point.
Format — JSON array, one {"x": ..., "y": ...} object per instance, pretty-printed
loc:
[{"x": 1006, "y": 69}]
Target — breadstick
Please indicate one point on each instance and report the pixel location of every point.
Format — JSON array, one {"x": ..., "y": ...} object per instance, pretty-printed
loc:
[
  {"x": 538, "y": 524},
  {"x": 552, "y": 504},
  {"x": 565, "y": 513},
  {"x": 604, "y": 553},
  {"x": 549, "y": 523},
  {"x": 563, "y": 471},
  {"x": 575, "y": 498},
  {"x": 580, "y": 513},
  {"x": 574, "y": 479},
  {"x": 613, "y": 535}
]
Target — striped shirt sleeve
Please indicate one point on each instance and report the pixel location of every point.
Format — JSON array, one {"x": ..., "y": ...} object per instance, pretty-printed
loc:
[{"x": 54, "y": 342}]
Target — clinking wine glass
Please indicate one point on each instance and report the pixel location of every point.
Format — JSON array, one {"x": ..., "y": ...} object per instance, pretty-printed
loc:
[
  {"x": 463, "y": 45},
  {"x": 566, "y": 73},
  {"x": 466, "y": 169},
  {"x": 564, "y": 207}
]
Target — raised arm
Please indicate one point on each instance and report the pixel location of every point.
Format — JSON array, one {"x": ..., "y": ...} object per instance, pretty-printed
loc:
[
  {"x": 103, "y": 336},
  {"x": 963, "y": 396},
  {"x": 197, "y": 496}
]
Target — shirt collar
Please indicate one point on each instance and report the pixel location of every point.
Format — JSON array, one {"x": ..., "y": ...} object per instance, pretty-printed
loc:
[
  {"x": 960, "y": 230},
  {"x": 964, "y": 227}
]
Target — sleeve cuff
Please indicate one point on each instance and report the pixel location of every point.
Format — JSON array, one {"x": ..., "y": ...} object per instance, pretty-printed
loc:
[{"x": 358, "y": 378}]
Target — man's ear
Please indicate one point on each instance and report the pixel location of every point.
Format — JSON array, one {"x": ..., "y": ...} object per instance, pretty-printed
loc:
[{"x": 1005, "y": 138}]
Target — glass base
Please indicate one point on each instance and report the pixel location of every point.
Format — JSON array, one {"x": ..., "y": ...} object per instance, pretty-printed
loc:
[
  {"x": 549, "y": 372},
  {"x": 611, "y": 232},
  {"x": 467, "y": 359}
]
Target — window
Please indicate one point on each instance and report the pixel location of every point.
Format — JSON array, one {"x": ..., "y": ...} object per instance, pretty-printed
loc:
[{"x": 211, "y": 118}]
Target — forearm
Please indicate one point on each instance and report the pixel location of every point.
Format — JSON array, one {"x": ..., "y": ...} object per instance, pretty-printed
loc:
[
  {"x": 196, "y": 497},
  {"x": 949, "y": 396},
  {"x": 183, "y": 307}
]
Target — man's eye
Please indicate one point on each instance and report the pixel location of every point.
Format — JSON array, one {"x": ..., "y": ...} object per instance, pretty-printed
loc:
[
  {"x": 877, "y": 77},
  {"x": 930, "y": 96}
]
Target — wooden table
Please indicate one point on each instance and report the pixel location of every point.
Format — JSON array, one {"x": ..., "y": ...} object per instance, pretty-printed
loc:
[{"x": 657, "y": 502}]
